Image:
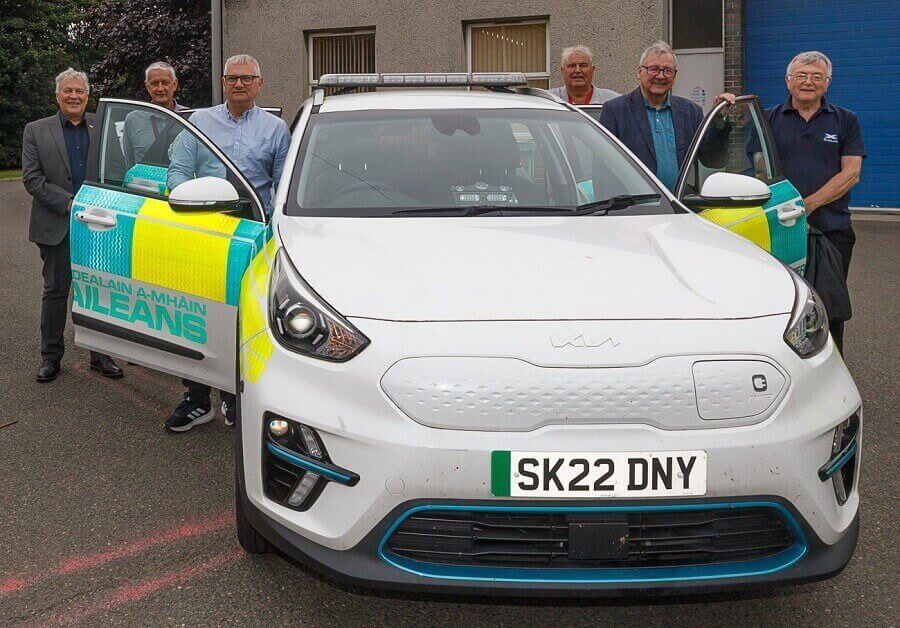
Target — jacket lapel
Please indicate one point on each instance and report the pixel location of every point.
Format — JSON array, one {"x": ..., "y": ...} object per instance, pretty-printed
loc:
[
  {"x": 640, "y": 118},
  {"x": 56, "y": 132}
]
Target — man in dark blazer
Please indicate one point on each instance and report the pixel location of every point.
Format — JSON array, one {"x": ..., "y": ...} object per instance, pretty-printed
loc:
[
  {"x": 54, "y": 160},
  {"x": 653, "y": 123}
]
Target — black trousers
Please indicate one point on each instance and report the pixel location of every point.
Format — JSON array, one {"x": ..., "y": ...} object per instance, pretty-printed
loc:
[
  {"x": 843, "y": 240},
  {"x": 57, "y": 273},
  {"x": 201, "y": 392}
]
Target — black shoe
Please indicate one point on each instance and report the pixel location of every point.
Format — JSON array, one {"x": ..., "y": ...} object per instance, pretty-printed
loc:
[
  {"x": 228, "y": 411},
  {"x": 48, "y": 371},
  {"x": 107, "y": 367},
  {"x": 190, "y": 413}
]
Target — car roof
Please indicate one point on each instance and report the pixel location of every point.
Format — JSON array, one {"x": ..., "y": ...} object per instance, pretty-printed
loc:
[{"x": 436, "y": 99}]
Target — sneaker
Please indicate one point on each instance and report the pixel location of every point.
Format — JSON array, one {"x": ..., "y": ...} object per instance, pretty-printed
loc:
[
  {"x": 228, "y": 411},
  {"x": 188, "y": 414}
]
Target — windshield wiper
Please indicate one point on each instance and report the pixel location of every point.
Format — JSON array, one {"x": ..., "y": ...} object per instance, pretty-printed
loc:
[
  {"x": 480, "y": 210},
  {"x": 615, "y": 203}
]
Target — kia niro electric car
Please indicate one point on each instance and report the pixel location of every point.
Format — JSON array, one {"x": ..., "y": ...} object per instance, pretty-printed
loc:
[{"x": 480, "y": 348}]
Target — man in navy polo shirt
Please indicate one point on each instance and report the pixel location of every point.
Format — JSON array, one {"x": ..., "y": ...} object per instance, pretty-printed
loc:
[{"x": 821, "y": 149}]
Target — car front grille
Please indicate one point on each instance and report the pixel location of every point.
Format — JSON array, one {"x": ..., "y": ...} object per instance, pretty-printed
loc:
[{"x": 567, "y": 540}]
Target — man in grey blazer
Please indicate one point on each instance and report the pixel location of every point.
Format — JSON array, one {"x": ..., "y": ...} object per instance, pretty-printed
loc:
[{"x": 54, "y": 160}]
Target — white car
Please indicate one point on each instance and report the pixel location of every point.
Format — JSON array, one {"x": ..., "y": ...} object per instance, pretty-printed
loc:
[{"x": 480, "y": 348}]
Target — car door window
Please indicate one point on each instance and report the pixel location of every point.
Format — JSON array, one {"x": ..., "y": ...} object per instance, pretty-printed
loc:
[
  {"x": 734, "y": 140},
  {"x": 147, "y": 150}
]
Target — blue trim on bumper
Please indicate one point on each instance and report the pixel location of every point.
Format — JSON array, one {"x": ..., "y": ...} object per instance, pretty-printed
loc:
[
  {"x": 746, "y": 569},
  {"x": 840, "y": 463},
  {"x": 287, "y": 456}
]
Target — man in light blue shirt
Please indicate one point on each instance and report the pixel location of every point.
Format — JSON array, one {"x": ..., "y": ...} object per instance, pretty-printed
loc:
[{"x": 256, "y": 142}]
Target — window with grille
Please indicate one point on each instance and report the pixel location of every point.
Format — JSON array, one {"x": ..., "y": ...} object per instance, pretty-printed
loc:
[
  {"x": 510, "y": 47},
  {"x": 696, "y": 24},
  {"x": 340, "y": 53}
]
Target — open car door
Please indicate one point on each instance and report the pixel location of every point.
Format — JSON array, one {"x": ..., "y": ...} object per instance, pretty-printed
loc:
[
  {"x": 737, "y": 139},
  {"x": 153, "y": 285}
]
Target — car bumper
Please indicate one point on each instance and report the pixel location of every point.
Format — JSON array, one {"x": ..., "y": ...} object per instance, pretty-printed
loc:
[{"x": 364, "y": 565}]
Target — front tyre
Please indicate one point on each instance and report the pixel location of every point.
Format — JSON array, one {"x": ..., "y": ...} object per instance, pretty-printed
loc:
[{"x": 250, "y": 540}]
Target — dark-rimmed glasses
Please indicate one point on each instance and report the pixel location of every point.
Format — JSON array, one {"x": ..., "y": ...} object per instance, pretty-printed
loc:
[
  {"x": 653, "y": 70},
  {"x": 246, "y": 79}
]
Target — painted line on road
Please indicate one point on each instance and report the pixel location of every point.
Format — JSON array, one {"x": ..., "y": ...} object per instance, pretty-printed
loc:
[
  {"x": 137, "y": 591},
  {"x": 19, "y": 582}
]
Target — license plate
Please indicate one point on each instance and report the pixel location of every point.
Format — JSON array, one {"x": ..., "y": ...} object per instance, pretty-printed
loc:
[{"x": 578, "y": 474}]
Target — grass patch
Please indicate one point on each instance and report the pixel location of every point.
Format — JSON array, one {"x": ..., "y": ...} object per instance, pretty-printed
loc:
[{"x": 10, "y": 175}]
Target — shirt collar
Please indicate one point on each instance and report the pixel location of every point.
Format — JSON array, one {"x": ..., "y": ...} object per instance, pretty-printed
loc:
[
  {"x": 249, "y": 114},
  {"x": 666, "y": 105},
  {"x": 824, "y": 106},
  {"x": 590, "y": 95},
  {"x": 64, "y": 120}
]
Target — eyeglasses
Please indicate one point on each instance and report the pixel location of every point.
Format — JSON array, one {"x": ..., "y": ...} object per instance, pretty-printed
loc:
[
  {"x": 801, "y": 77},
  {"x": 653, "y": 70},
  {"x": 246, "y": 79},
  {"x": 580, "y": 66}
]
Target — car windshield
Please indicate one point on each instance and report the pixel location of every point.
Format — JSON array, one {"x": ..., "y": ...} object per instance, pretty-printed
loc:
[{"x": 445, "y": 162}]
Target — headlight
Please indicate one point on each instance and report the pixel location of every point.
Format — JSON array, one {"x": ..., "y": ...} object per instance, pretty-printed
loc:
[
  {"x": 301, "y": 321},
  {"x": 807, "y": 332}
]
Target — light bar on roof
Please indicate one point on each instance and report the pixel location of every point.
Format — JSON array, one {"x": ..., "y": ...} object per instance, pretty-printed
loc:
[{"x": 420, "y": 79}]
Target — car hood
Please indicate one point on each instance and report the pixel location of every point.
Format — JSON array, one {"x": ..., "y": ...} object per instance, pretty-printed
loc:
[{"x": 675, "y": 266}]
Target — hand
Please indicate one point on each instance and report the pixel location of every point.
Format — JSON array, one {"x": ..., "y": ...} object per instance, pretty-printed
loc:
[
  {"x": 810, "y": 205},
  {"x": 727, "y": 97}
]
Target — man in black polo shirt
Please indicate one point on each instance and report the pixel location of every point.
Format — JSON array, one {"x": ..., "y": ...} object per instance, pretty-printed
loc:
[{"x": 821, "y": 149}]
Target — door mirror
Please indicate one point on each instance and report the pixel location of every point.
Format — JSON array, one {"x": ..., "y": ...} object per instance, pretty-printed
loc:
[
  {"x": 204, "y": 194},
  {"x": 729, "y": 190}
]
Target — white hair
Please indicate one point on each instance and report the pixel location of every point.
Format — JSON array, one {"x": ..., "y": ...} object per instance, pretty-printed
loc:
[
  {"x": 70, "y": 73},
  {"x": 159, "y": 65},
  {"x": 808, "y": 58},
  {"x": 658, "y": 48},
  {"x": 576, "y": 50},
  {"x": 242, "y": 59}
]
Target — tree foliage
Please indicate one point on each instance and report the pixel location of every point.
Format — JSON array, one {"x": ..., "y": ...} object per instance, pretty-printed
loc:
[
  {"x": 112, "y": 40},
  {"x": 129, "y": 35},
  {"x": 36, "y": 43}
]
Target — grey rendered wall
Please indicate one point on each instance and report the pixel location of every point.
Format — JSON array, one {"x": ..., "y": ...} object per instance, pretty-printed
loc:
[{"x": 429, "y": 35}]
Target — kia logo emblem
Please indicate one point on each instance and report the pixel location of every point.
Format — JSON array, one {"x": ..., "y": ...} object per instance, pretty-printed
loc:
[{"x": 582, "y": 341}]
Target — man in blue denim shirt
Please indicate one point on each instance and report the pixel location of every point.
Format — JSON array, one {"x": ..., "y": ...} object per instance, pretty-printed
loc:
[
  {"x": 257, "y": 143},
  {"x": 653, "y": 123}
]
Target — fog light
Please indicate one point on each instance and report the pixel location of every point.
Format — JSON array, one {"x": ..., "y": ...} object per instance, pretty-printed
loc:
[
  {"x": 296, "y": 465},
  {"x": 278, "y": 427}
]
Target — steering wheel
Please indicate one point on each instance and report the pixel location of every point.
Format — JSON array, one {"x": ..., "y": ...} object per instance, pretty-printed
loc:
[{"x": 359, "y": 186}]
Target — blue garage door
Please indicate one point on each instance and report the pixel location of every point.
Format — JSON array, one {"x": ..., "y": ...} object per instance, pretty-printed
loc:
[{"x": 862, "y": 39}]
